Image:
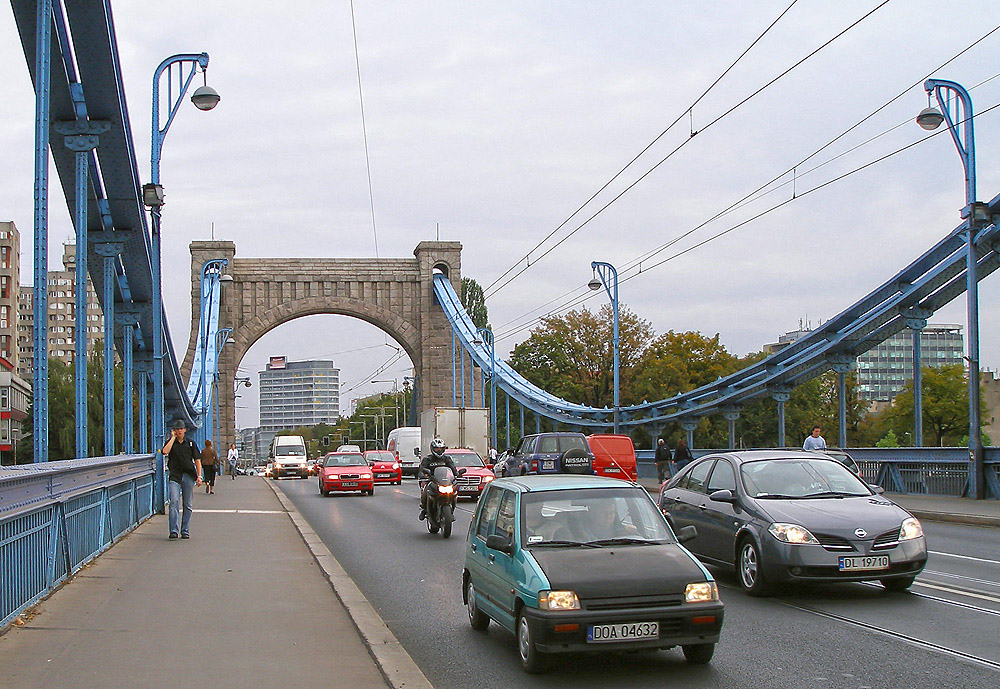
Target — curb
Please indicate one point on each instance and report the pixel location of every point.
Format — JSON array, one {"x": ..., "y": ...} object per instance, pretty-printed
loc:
[
  {"x": 968, "y": 519},
  {"x": 397, "y": 667}
]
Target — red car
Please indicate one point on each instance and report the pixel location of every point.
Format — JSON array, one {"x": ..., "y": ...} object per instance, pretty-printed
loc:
[
  {"x": 384, "y": 466},
  {"x": 476, "y": 476},
  {"x": 345, "y": 471}
]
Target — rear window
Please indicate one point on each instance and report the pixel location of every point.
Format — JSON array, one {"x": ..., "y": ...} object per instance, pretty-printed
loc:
[{"x": 551, "y": 444}]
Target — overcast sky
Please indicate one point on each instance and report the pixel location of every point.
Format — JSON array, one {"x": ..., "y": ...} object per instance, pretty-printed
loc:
[{"x": 497, "y": 120}]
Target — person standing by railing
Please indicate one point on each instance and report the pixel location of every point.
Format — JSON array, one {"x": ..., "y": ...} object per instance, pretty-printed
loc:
[
  {"x": 814, "y": 441},
  {"x": 184, "y": 471},
  {"x": 234, "y": 458}
]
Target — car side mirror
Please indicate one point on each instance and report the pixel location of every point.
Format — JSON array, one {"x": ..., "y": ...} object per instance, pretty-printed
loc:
[
  {"x": 461, "y": 471},
  {"x": 723, "y": 496},
  {"x": 498, "y": 542},
  {"x": 686, "y": 533},
  {"x": 878, "y": 489},
  {"x": 490, "y": 467}
]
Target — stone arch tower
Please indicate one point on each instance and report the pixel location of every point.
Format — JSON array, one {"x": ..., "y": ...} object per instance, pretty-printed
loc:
[{"x": 393, "y": 294}]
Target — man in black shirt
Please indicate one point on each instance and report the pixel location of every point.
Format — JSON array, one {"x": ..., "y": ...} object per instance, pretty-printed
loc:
[
  {"x": 184, "y": 469},
  {"x": 662, "y": 460}
]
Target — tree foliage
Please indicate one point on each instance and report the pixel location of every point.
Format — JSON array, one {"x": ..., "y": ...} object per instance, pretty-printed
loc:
[{"x": 472, "y": 298}]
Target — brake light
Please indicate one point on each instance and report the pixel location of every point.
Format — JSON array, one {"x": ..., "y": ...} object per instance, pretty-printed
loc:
[{"x": 534, "y": 465}]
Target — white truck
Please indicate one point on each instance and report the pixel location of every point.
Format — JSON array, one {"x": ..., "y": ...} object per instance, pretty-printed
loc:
[{"x": 467, "y": 427}]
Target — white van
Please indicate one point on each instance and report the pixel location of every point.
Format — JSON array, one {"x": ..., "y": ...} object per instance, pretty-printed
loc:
[
  {"x": 288, "y": 452},
  {"x": 404, "y": 444}
]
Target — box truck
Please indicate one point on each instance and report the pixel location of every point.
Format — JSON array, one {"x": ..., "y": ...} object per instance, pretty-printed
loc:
[{"x": 467, "y": 427}]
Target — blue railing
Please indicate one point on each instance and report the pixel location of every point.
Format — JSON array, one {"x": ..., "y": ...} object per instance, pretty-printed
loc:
[
  {"x": 57, "y": 517},
  {"x": 908, "y": 470}
]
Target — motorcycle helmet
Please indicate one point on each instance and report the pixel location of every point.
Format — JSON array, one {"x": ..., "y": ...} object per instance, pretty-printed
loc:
[{"x": 438, "y": 447}]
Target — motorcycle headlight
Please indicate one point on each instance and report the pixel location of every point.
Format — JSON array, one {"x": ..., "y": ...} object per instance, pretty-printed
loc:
[
  {"x": 701, "y": 592},
  {"x": 792, "y": 533},
  {"x": 910, "y": 529},
  {"x": 558, "y": 600},
  {"x": 446, "y": 490}
]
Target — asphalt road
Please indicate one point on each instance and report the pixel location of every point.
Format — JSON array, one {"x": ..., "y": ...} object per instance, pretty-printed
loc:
[{"x": 941, "y": 633}]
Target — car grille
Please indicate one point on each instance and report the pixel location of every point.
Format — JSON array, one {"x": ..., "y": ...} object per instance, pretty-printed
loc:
[
  {"x": 348, "y": 477},
  {"x": 886, "y": 541},
  {"x": 632, "y": 602},
  {"x": 834, "y": 543},
  {"x": 469, "y": 480}
]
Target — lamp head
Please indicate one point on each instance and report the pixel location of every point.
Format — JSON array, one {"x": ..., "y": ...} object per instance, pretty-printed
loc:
[
  {"x": 205, "y": 97},
  {"x": 930, "y": 118},
  {"x": 594, "y": 284},
  {"x": 152, "y": 195},
  {"x": 225, "y": 278}
]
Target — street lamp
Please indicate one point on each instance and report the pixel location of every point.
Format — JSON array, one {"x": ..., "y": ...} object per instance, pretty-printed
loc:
[
  {"x": 153, "y": 197},
  {"x": 215, "y": 408},
  {"x": 211, "y": 275},
  {"x": 605, "y": 275},
  {"x": 956, "y": 109},
  {"x": 395, "y": 391},
  {"x": 485, "y": 336}
]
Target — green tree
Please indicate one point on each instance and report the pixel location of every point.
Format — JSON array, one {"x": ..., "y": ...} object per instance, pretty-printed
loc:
[
  {"x": 472, "y": 298},
  {"x": 572, "y": 355}
]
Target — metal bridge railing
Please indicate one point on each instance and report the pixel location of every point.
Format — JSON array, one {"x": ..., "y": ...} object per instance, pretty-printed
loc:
[
  {"x": 908, "y": 470},
  {"x": 57, "y": 517}
]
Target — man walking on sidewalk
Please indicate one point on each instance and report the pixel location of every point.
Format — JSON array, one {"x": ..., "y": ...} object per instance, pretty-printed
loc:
[
  {"x": 184, "y": 469},
  {"x": 662, "y": 460}
]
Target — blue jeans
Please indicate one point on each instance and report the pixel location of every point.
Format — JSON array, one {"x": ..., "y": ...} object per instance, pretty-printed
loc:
[{"x": 183, "y": 489}]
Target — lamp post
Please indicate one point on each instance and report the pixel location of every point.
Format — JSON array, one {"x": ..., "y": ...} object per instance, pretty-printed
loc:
[
  {"x": 395, "y": 391},
  {"x": 211, "y": 275},
  {"x": 153, "y": 197},
  {"x": 221, "y": 338},
  {"x": 956, "y": 109},
  {"x": 485, "y": 336},
  {"x": 605, "y": 275}
]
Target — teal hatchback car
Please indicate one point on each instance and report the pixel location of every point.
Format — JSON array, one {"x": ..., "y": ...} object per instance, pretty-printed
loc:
[{"x": 574, "y": 563}]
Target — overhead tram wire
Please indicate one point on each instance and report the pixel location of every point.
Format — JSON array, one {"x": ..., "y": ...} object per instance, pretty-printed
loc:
[
  {"x": 756, "y": 194},
  {"x": 580, "y": 300},
  {"x": 486, "y": 292},
  {"x": 364, "y": 129},
  {"x": 676, "y": 149}
]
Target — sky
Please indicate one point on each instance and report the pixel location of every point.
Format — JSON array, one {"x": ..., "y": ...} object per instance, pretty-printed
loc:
[{"x": 490, "y": 123}]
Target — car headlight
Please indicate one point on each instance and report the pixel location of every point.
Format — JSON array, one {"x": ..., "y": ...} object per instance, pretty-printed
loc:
[
  {"x": 446, "y": 489},
  {"x": 487, "y": 479},
  {"x": 910, "y": 529},
  {"x": 395, "y": 465},
  {"x": 701, "y": 592},
  {"x": 366, "y": 476},
  {"x": 558, "y": 600},
  {"x": 792, "y": 533}
]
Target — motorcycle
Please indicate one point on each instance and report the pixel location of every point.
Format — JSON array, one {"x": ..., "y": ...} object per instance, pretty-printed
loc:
[{"x": 441, "y": 498}]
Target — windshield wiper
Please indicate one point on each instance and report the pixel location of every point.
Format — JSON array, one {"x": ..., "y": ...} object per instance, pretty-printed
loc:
[
  {"x": 622, "y": 541},
  {"x": 563, "y": 544},
  {"x": 774, "y": 496},
  {"x": 825, "y": 494}
]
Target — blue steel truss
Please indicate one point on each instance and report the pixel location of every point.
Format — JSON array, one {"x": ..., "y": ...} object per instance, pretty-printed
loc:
[{"x": 927, "y": 284}]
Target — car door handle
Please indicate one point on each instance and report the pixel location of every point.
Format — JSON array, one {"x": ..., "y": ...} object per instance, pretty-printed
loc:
[
  {"x": 492, "y": 558},
  {"x": 473, "y": 547},
  {"x": 703, "y": 507}
]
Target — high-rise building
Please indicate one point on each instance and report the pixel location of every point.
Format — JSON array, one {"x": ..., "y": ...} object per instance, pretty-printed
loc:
[
  {"x": 884, "y": 370},
  {"x": 62, "y": 319},
  {"x": 297, "y": 393},
  {"x": 10, "y": 261}
]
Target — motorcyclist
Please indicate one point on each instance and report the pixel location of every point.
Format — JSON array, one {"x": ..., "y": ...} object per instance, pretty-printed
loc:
[{"x": 436, "y": 458}]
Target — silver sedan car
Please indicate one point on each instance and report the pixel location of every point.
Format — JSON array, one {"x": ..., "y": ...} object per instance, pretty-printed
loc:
[{"x": 787, "y": 515}]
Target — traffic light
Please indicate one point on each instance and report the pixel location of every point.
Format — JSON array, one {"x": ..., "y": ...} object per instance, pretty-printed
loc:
[
  {"x": 345, "y": 439},
  {"x": 326, "y": 441}
]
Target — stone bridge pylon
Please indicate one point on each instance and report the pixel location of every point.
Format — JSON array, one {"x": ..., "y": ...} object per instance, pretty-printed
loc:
[{"x": 393, "y": 294}]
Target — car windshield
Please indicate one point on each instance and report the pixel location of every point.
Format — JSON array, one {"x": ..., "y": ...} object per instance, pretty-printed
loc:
[
  {"x": 467, "y": 459},
  {"x": 290, "y": 451},
  {"x": 551, "y": 444},
  {"x": 381, "y": 456},
  {"x": 345, "y": 460},
  {"x": 800, "y": 478},
  {"x": 591, "y": 517}
]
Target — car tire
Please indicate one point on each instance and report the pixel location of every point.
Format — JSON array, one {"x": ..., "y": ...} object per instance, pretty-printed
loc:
[
  {"x": 323, "y": 491},
  {"x": 533, "y": 661},
  {"x": 749, "y": 569},
  {"x": 897, "y": 585},
  {"x": 698, "y": 654},
  {"x": 477, "y": 618}
]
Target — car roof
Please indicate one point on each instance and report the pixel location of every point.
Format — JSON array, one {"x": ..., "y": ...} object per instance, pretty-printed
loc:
[
  {"x": 742, "y": 456},
  {"x": 534, "y": 483}
]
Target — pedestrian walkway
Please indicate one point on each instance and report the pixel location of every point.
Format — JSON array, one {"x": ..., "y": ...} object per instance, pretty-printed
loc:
[
  {"x": 926, "y": 507},
  {"x": 241, "y": 604}
]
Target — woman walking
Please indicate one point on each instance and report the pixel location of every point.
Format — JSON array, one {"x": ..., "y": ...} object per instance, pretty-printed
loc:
[
  {"x": 209, "y": 463},
  {"x": 234, "y": 458}
]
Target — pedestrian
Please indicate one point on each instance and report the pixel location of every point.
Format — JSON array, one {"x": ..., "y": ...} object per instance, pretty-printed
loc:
[
  {"x": 184, "y": 472},
  {"x": 234, "y": 458},
  {"x": 493, "y": 455},
  {"x": 210, "y": 465},
  {"x": 682, "y": 456},
  {"x": 662, "y": 460},
  {"x": 814, "y": 441}
]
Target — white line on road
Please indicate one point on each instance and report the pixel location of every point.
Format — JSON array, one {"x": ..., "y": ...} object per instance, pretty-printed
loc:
[
  {"x": 987, "y": 582},
  {"x": 961, "y": 592},
  {"x": 241, "y": 511},
  {"x": 964, "y": 557}
]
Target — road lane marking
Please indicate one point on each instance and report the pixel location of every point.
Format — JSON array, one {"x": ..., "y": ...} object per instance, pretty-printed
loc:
[
  {"x": 965, "y": 557},
  {"x": 961, "y": 592},
  {"x": 962, "y": 577},
  {"x": 209, "y": 511}
]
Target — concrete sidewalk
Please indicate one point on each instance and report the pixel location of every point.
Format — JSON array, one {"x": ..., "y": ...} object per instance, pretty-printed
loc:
[
  {"x": 241, "y": 604},
  {"x": 927, "y": 507}
]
